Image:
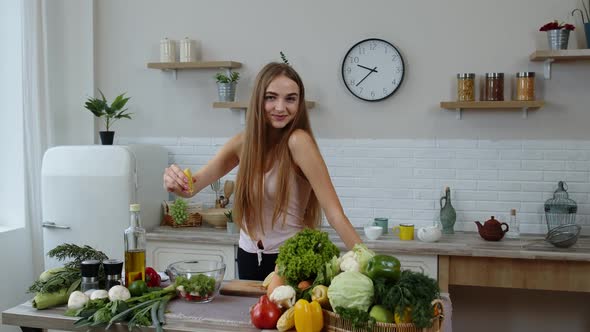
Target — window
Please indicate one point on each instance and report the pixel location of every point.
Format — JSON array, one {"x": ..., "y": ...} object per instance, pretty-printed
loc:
[{"x": 12, "y": 205}]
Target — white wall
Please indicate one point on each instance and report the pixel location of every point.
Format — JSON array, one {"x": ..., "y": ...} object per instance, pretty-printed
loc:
[
  {"x": 403, "y": 179},
  {"x": 438, "y": 39},
  {"x": 70, "y": 63}
]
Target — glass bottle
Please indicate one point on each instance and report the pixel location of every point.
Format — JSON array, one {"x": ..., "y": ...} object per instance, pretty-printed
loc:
[
  {"x": 134, "y": 247},
  {"x": 89, "y": 271},
  {"x": 448, "y": 216},
  {"x": 112, "y": 271},
  {"x": 513, "y": 226}
]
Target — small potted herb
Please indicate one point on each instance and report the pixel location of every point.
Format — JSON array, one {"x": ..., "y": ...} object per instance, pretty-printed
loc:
[
  {"x": 110, "y": 113},
  {"x": 231, "y": 226},
  {"x": 226, "y": 85}
]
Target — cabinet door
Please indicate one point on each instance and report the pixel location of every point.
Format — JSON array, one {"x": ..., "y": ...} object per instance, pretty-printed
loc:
[
  {"x": 427, "y": 264},
  {"x": 161, "y": 253}
]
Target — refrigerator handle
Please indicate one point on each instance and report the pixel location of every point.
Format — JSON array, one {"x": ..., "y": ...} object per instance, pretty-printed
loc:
[{"x": 49, "y": 224}]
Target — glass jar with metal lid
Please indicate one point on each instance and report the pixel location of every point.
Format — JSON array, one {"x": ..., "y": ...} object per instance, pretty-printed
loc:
[
  {"x": 494, "y": 87},
  {"x": 466, "y": 87},
  {"x": 525, "y": 85}
]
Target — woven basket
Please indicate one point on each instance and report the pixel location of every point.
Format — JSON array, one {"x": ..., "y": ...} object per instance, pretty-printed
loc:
[
  {"x": 194, "y": 218},
  {"x": 334, "y": 323}
]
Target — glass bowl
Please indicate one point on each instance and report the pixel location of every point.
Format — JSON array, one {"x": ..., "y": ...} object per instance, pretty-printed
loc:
[{"x": 197, "y": 280}]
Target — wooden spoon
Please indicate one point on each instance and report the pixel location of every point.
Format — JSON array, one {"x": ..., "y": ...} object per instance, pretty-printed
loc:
[{"x": 228, "y": 189}]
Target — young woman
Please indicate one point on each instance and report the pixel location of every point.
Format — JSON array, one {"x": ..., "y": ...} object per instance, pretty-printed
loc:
[{"x": 282, "y": 182}]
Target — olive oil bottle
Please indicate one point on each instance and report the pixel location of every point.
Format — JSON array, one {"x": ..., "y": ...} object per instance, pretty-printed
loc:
[{"x": 134, "y": 247}]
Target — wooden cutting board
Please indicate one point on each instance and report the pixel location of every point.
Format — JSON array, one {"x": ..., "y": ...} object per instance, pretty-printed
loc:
[{"x": 248, "y": 288}]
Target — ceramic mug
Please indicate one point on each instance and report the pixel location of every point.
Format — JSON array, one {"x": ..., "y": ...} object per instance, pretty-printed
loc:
[
  {"x": 404, "y": 231},
  {"x": 383, "y": 223}
]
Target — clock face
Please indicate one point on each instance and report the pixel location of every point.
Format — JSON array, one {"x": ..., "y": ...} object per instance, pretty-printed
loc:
[{"x": 373, "y": 69}]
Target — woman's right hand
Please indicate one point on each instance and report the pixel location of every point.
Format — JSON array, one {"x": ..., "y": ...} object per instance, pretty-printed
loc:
[{"x": 175, "y": 181}]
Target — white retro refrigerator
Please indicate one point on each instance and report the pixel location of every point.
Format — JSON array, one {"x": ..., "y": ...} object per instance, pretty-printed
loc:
[{"x": 87, "y": 190}]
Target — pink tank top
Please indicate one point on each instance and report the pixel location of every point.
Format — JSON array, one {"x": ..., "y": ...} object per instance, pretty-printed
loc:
[{"x": 274, "y": 237}]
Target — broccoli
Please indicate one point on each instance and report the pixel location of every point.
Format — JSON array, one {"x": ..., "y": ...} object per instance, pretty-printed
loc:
[{"x": 302, "y": 256}]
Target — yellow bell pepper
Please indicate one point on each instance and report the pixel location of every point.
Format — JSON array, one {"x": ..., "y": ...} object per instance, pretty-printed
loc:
[{"x": 308, "y": 316}]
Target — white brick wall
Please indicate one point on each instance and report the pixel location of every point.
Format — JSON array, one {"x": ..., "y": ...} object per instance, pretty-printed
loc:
[{"x": 403, "y": 179}]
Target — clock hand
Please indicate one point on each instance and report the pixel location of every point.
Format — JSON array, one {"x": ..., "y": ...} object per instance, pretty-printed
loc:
[
  {"x": 368, "y": 68},
  {"x": 372, "y": 70}
]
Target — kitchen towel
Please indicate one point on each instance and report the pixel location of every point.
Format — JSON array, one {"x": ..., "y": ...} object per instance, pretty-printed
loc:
[{"x": 447, "y": 311}]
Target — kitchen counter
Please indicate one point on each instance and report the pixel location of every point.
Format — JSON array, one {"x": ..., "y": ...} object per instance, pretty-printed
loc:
[
  {"x": 224, "y": 313},
  {"x": 458, "y": 244},
  {"x": 463, "y": 258}
]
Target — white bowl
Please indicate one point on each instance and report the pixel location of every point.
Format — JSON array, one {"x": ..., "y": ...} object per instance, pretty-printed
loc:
[{"x": 373, "y": 232}]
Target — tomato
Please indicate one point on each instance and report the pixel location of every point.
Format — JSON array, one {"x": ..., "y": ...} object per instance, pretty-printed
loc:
[{"x": 152, "y": 277}]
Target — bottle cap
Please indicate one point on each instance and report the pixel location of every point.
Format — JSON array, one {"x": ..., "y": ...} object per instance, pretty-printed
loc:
[
  {"x": 89, "y": 268},
  {"x": 134, "y": 207},
  {"x": 112, "y": 267}
]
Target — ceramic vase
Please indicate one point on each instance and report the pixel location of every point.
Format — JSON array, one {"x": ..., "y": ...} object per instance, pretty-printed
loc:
[{"x": 448, "y": 216}]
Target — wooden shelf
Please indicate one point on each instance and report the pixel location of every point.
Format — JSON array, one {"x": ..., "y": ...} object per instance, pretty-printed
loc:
[
  {"x": 479, "y": 105},
  {"x": 243, "y": 105},
  {"x": 174, "y": 66},
  {"x": 561, "y": 55},
  {"x": 549, "y": 56},
  {"x": 194, "y": 65}
]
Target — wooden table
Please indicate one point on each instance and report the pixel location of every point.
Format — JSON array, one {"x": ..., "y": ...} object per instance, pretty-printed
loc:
[{"x": 224, "y": 313}]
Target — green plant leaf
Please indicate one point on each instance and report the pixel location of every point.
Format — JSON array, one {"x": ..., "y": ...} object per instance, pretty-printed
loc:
[{"x": 119, "y": 102}]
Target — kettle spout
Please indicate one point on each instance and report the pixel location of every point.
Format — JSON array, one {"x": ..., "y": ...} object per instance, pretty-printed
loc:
[{"x": 479, "y": 225}]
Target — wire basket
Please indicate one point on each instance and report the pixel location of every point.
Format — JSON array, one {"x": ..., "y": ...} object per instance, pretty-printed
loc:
[
  {"x": 334, "y": 323},
  {"x": 560, "y": 210},
  {"x": 194, "y": 217}
]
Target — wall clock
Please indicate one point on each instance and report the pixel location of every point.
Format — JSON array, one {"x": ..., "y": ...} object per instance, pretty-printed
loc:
[{"x": 373, "y": 69}]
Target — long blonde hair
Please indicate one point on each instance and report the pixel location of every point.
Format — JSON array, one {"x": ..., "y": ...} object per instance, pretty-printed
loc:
[{"x": 255, "y": 151}]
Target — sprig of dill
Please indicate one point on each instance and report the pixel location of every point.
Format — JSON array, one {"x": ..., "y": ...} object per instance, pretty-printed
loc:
[
  {"x": 61, "y": 278},
  {"x": 414, "y": 290},
  {"x": 76, "y": 253}
]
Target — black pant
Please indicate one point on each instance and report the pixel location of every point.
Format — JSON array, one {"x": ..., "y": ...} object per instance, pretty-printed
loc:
[{"x": 248, "y": 265}]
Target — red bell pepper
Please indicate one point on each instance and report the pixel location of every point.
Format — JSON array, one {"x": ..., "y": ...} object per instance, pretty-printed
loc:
[{"x": 152, "y": 277}]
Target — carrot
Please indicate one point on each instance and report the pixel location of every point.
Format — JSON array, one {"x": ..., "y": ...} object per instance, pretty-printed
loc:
[{"x": 303, "y": 285}]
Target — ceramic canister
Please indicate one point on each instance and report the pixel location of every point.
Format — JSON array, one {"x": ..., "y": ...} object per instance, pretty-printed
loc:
[
  {"x": 187, "y": 50},
  {"x": 167, "y": 50}
]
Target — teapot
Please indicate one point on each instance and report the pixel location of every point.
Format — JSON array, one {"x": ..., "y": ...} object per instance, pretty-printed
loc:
[
  {"x": 492, "y": 229},
  {"x": 429, "y": 234}
]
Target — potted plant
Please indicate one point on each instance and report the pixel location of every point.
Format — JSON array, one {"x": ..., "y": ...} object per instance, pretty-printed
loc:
[
  {"x": 226, "y": 85},
  {"x": 557, "y": 34},
  {"x": 231, "y": 226},
  {"x": 110, "y": 113}
]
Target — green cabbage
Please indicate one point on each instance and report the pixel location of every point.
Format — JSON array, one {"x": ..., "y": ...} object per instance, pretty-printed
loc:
[{"x": 351, "y": 289}]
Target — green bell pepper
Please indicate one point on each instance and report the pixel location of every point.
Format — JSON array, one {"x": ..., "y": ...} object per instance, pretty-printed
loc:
[{"x": 384, "y": 267}]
